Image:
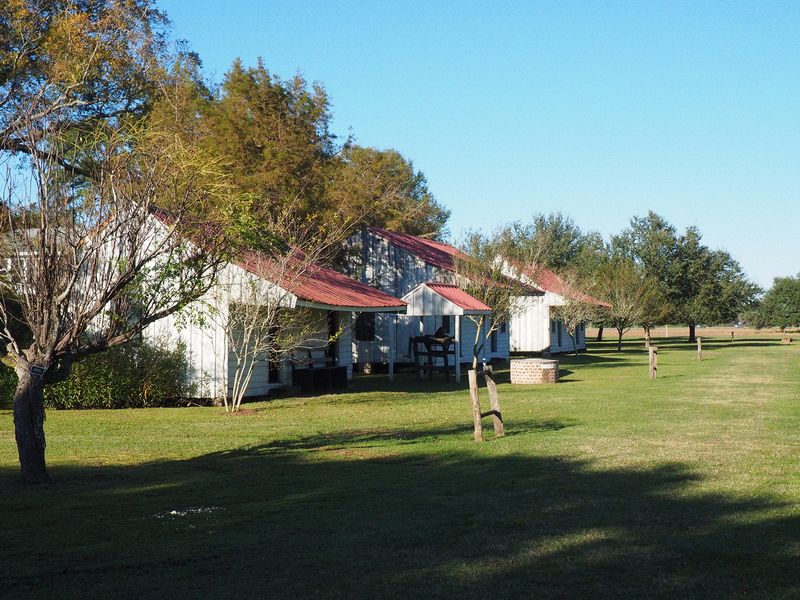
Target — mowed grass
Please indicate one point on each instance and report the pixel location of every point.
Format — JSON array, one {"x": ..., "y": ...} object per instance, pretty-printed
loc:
[{"x": 607, "y": 485}]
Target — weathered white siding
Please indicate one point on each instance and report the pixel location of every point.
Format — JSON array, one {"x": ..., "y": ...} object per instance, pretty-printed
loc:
[
  {"x": 205, "y": 346},
  {"x": 212, "y": 366},
  {"x": 534, "y": 330},
  {"x": 388, "y": 268},
  {"x": 530, "y": 325}
]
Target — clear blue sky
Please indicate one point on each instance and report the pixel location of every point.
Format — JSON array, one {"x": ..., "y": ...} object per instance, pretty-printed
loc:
[{"x": 599, "y": 110}]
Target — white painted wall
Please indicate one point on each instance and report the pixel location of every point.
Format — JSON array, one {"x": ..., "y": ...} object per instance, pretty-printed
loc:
[
  {"x": 534, "y": 330},
  {"x": 211, "y": 366}
]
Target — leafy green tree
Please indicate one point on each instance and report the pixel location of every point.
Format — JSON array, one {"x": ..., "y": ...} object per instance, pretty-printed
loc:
[
  {"x": 780, "y": 306},
  {"x": 559, "y": 242},
  {"x": 88, "y": 63},
  {"x": 367, "y": 178},
  {"x": 634, "y": 297},
  {"x": 275, "y": 134},
  {"x": 701, "y": 285},
  {"x": 276, "y": 138}
]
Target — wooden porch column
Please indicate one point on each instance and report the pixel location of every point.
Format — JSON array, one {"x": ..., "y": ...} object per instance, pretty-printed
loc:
[
  {"x": 392, "y": 334},
  {"x": 458, "y": 349}
]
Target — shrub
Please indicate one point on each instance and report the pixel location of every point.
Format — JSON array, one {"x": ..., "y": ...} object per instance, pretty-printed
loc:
[
  {"x": 8, "y": 384},
  {"x": 137, "y": 375}
]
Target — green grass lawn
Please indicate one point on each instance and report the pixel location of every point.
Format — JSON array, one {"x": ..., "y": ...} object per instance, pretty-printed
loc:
[{"x": 607, "y": 485}]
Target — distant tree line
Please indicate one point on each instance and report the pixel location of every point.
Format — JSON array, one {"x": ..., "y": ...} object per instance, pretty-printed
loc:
[{"x": 650, "y": 272}]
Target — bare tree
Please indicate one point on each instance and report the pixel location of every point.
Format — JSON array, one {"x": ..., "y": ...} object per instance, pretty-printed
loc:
[
  {"x": 489, "y": 268},
  {"x": 256, "y": 307},
  {"x": 576, "y": 307},
  {"x": 93, "y": 262}
]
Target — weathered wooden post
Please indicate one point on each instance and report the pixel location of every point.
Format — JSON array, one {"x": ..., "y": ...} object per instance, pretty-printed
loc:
[
  {"x": 653, "y": 351},
  {"x": 494, "y": 400},
  {"x": 699, "y": 348},
  {"x": 476, "y": 404}
]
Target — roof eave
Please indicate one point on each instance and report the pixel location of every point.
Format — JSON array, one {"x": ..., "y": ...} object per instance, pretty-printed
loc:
[{"x": 348, "y": 308}]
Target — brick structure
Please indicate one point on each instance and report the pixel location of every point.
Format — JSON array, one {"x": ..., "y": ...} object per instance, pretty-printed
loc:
[{"x": 534, "y": 370}]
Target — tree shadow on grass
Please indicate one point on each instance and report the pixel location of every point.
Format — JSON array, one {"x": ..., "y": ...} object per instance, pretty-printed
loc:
[
  {"x": 381, "y": 437},
  {"x": 277, "y": 521}
]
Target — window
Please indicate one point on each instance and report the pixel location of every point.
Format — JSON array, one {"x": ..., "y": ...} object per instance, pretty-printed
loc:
[
  {"x": 365, "y": 327},
  {"x": 493, "y": 340},
  {"x": 559, "y": 334},
  {"x": 553, "y": 325},
  {"x": 332, "y": 347}
]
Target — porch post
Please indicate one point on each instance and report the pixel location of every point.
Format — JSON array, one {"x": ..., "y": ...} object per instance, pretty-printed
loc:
[
  {"x": 458, "y": 348},
  {"x": 392, "y": 334}
]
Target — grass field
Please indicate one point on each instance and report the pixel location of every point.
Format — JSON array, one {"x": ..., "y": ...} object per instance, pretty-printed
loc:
[{"x": 608, "y": 485}]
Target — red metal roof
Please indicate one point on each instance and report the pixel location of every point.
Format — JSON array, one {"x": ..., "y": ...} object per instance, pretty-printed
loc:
[
  {"x": 550, "y": 282},
  {"x": 438, "y": 254},
  {"x": 434, "y": 253},
  {"x": 457, "y": 296},
  {"x": 319, "y": 285}
]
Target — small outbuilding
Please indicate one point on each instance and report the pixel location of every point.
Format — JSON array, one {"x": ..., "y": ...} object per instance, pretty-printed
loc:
[{"x": 446, "y": 300}]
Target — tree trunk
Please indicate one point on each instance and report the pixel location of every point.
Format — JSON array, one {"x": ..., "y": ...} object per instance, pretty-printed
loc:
[
  {"x": 619, "y": 340},
  {"x": 692, "y": 333},
  {"x": 477, "y": 345},
  {"x": 600, "y": 333},
  {"x": 476, "y": 404},
  {"x": 29, "y": 427},
  {"x": 572, "y": 337}
]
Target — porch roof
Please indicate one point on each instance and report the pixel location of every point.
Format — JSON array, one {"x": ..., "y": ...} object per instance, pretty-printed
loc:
[{"x": 443, "y": 299}]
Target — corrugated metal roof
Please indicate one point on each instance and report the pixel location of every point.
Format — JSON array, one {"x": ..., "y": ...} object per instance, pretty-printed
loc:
[
  {"x": 457, "y": 296},
  {"x": 550, "y": 282},
  {"x": 434, "y": 253},
  {"x": 319, "y": 285},
  {"x": 438, "y": 254}
]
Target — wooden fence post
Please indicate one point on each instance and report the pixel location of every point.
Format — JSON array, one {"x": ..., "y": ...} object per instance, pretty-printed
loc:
[
  {"x": 476, "y": 404},
  {"x": 699, "y": 348},
  {"x": 653, "y": 361},
  {"x": 497, "y": 418}
]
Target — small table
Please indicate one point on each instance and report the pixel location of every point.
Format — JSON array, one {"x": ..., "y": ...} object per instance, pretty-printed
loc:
[{"x": 433, "y": 347}]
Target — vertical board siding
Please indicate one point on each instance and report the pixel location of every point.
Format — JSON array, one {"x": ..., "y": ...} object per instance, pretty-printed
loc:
[{"x": 531, "y": 327}]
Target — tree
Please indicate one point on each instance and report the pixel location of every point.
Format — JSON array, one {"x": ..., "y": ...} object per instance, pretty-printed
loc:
[
  {"x": 655, "y": 308},
  {"x": 555, "y": 238},
  {"x": 780, "y": 306},
  {"x": 632, "y": 296},
  {"x": 701, "y": 285},
  {"x": 367, "y": 176},
  {"x": 93, "y": 266},
  {"x": 487, "y": 268},
  {"x": 276, "y": 135},
  {"x": 257, "y": 315},
  {"x": 575, "y": 308},
  {"x": 96, "y": 216},
  {"x": 87, "y": 64}
]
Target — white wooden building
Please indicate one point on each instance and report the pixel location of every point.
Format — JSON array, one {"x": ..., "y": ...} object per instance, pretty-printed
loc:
[
  {"x": 398, "y": 263},
  {"x": 330, "y": 301},
  {"x": 533, "y": 327}
]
